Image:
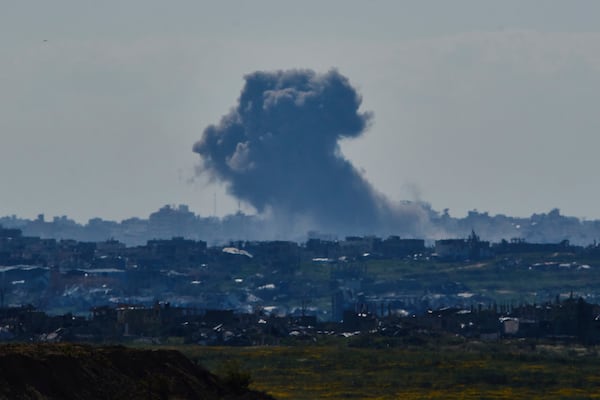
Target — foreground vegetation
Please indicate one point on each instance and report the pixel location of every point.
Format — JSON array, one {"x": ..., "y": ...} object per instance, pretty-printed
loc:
[
  {"x": 432, "y": 370},
  {"x": 419, "y": 366}
]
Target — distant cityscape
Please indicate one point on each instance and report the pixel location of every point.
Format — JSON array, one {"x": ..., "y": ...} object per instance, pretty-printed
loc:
[
  {"x": 178, "y": 221},
  {"x": 251, "y": 292}
]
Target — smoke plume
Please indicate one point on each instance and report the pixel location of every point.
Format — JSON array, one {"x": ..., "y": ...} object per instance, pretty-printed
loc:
[{"x": 278, "y": 150}]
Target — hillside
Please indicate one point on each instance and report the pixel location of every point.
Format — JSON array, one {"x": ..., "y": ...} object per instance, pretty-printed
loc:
[{"x": 72, "y": 372}]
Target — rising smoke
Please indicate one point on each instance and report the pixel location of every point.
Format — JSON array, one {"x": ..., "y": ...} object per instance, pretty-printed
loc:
[{"x": 278, "y": 150}]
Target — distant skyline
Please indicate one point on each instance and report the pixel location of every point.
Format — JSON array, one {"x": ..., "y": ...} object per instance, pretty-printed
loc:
[{"x": 478, "y": 104}]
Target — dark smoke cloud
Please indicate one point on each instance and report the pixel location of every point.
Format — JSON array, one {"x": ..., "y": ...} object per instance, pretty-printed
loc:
[{"x": 278, "y": 150}]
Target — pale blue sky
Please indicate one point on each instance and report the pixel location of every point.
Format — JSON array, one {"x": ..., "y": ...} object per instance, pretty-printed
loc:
[{"x": 488, "y": 105}]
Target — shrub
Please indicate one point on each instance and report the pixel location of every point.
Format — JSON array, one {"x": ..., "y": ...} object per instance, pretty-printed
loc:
[{"x": 234, "y": 377}]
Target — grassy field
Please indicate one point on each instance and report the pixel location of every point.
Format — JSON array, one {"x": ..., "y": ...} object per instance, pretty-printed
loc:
[
  {"x": 504, "y": 279},
  {"x": 467, "y": 370},
  {"x": 501, "y": 279}
]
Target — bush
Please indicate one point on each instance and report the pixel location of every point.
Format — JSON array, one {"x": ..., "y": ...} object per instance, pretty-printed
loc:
[{"x": 234, "y": 377}]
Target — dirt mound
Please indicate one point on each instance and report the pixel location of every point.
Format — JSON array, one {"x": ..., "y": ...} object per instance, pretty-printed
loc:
[{"x": 70, "y": 372}]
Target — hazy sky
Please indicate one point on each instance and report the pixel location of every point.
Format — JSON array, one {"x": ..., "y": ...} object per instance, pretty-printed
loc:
[{"x": 488, "y": 105}]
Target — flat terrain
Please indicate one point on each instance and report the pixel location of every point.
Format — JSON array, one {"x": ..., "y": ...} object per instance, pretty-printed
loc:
[{"x": 468, "y": 370}]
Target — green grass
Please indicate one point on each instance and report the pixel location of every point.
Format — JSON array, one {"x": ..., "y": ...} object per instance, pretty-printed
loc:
[
  {"x": 447, "y": 371},
  {"x": 495, "y": 278},
  {"x": 503, "y": 279}
]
